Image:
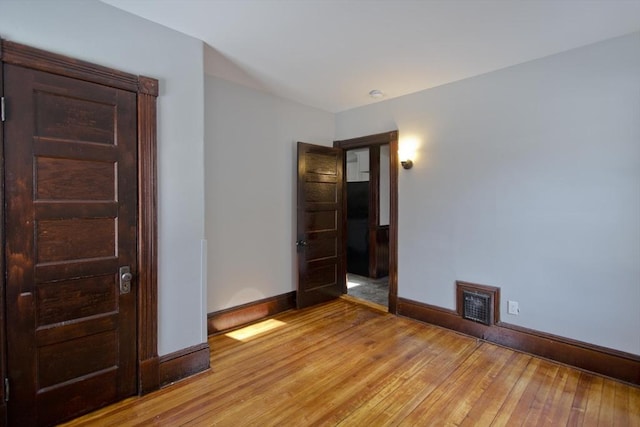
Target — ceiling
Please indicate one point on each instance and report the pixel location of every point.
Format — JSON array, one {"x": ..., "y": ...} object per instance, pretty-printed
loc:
[{"x": 330, "y": 53}]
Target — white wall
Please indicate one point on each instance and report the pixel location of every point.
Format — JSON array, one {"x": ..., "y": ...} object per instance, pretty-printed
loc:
[
  {"x": 528, "y": 179},
  {"x": 357, "y": 165},
  {"x": 93, "y": 31},
  {"x": 250, "y": 157}
]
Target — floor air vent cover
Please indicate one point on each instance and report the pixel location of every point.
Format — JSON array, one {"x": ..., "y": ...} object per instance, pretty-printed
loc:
[{"x": 477, "y": 307}]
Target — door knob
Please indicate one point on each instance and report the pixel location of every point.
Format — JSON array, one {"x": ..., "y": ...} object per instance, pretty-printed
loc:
[{"x": 125, "y": 279}]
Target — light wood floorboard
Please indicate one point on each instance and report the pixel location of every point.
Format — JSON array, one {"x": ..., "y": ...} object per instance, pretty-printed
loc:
[{"x": 348, "y": 364}]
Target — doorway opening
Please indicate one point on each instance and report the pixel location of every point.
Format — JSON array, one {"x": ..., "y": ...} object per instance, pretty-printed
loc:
[
  {"x": 367, "y": 187},
  {"x": 370, "y": 220}
]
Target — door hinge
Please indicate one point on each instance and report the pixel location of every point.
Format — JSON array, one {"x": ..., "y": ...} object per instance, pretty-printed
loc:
[
  {"x": 6, "y": 389},
  {"x": 2, "y": 108}
]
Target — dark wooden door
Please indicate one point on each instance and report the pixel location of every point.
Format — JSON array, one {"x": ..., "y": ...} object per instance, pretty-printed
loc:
[
  {"x": 321, "y": 274},
  {"x": 71, "y": 191}
]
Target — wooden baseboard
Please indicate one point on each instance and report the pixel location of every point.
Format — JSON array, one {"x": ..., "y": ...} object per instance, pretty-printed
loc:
[
  {"x": 231, "y": 318},
  {"x": 183, "y": 363},
  {"x": 605, "y": 361}
]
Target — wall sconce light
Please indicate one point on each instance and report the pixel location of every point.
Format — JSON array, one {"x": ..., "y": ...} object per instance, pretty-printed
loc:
[{"x": 407, "y": 151}]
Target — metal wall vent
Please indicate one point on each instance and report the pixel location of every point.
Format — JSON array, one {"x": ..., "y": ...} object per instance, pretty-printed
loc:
[
  {"x": 478, "y": 303},
  {"x": 477, "y": 307}
]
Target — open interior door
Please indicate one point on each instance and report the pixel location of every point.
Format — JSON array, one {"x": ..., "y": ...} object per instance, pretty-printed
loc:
[{"x": 321, "y": 274}]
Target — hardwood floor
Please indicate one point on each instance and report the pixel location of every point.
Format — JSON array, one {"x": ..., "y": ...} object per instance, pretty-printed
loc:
[{"x": 347, "y": 364}]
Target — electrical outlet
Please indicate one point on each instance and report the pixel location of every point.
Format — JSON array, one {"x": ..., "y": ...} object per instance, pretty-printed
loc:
[{"x": 513, "y": 307}]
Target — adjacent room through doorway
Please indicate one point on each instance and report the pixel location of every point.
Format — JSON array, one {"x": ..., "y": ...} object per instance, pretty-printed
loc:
[{"x": 367, "y": 210}]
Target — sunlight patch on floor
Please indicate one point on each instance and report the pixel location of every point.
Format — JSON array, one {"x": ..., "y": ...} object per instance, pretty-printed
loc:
[
  {"x": 352, "y": 284},
  {"x": 249, "y": 332}
]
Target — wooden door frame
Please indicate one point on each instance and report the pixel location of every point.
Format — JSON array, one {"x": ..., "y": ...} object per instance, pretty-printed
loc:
[
  {"x": 377, "y": 140},
  {"x": 3, "y": 335},
  {"x": 146, "y": 89}
]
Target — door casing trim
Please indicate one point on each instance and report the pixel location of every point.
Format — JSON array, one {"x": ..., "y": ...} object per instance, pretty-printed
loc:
[{"x": 146, "y": 89}]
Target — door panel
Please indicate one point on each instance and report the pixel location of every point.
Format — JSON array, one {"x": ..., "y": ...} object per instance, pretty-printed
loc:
[
  {"x": 82, "y": 180},
  {"x": 71, "y": 191},
  {"x": 320, "y": 253}
]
